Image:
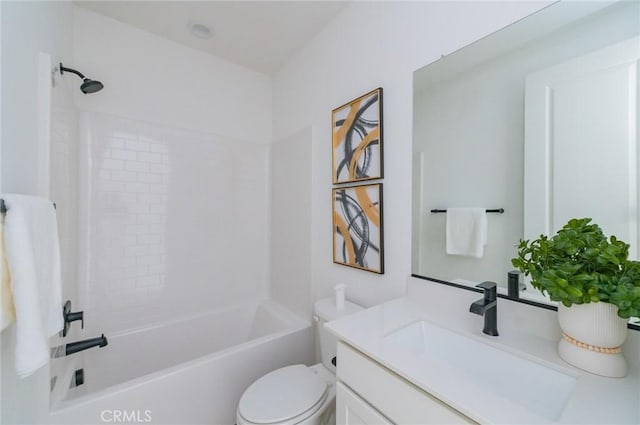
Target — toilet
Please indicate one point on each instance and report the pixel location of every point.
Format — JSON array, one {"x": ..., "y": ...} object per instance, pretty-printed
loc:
[{"x": 298, "y": 394}]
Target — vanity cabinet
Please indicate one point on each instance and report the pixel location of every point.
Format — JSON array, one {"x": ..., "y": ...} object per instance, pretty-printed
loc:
[{"x": 369, "y": 393}]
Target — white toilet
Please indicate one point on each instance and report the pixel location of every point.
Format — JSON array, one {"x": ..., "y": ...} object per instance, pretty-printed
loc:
[{"x": 298, "y": 394}]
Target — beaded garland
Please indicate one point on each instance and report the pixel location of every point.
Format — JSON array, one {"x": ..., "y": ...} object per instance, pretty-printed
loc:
[{"x": 603, "y": 350}]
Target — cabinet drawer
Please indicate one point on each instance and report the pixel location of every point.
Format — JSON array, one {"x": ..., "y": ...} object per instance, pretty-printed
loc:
[
  {"x": 352, "y": 410},
  {"x": 396, "y": 398}
]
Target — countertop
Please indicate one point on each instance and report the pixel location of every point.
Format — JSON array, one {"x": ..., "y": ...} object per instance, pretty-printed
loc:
[{"x": 530, "y": 333}]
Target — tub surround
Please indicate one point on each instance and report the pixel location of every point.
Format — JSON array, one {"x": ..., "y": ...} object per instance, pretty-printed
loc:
[
  {"x": 529, "y": 333},
  {"x": 201, "y": 364}
]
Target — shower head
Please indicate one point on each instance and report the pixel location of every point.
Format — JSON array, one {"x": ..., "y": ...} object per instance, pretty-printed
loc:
[
  {"x": 88, "y": 85},
  {"x": 91, "y": 86}
]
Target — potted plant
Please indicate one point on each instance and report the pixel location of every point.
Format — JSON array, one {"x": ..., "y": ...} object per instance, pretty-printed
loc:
[{"x": 596, "y": 285}]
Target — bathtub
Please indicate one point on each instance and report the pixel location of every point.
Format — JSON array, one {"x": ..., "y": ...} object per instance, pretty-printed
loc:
[{"x": 188, "y": 371}]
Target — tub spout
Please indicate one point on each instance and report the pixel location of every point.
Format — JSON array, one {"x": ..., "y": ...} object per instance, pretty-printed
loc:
[{"x": 74, "y": 347}]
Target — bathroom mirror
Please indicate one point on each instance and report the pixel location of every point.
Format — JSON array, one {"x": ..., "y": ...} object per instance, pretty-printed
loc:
[{"x": 480, "y": 138}]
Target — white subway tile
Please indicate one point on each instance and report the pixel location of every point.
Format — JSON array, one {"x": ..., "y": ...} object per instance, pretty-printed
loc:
[
  {"x": 121, "y": 284},
  {"x": 148, "y": 259},
  {"x": 137, "y": 166},
  {"x": 136, "y": 187},
  {"x": 157, "y": 228},
  {"x": 123, "y": 154},
  {"x": 149, "y": 178},
  {"x": 158, "y": 208},
  {"x": 158, "y": 168},
  {"x": 150, "y": 198},
  {"x": 157, "y": 249},
  {"x": 124, "y": 176},
  {"x": 153, "y": 239},
  {"x": 137, "y": 145},
  {"x": 139, "y": 270},
  {"x": 158, "y": 147},
  {"x": 138, "y": 208},
  {"x": 149, "y": 157},
  {"x": 129, "y": 240},
  {"x": 117, "y": 143},
  {"x": 104, "y": 174},
  {"x": 157, "y": 269},
  {"x": 136, "y": 229},
  {"x": 129, "y": 262},
  {"x": 112, "y": 164},
  {"x": 136, "y": 250},
  {"x": 150, "y": 218},
  {"x": 146, "y": 281},
  {"x": 111, "y": 186},
  {"x": 158, "y": 188}
]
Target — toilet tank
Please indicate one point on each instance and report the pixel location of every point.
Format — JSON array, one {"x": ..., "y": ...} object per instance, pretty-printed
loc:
[{"x": 325, "y": 311}]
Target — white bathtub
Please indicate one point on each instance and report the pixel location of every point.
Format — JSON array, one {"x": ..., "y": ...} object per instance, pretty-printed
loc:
[{"x": 191, "y": 371}]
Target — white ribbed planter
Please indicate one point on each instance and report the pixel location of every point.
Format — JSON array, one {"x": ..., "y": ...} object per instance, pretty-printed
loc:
[{"x": 593, "y": 336}]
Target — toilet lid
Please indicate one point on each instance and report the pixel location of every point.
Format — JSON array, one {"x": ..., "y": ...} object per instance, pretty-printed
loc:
[{"x": 281, "y": 395}]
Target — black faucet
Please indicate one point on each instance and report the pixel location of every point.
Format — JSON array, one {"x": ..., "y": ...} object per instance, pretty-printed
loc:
[
  {"x": 74, "y": 347},
  {"x": 487, "y": 307}
]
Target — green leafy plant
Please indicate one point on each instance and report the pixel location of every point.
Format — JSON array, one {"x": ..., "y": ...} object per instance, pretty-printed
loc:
[{"x": 579, "y": 265}]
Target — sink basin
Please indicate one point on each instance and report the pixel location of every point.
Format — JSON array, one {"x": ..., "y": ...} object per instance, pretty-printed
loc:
[{"x": 538, "y": 388}]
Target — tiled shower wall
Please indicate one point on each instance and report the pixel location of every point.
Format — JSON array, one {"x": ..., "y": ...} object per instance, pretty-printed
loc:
[{"x": 175, "y": 222}]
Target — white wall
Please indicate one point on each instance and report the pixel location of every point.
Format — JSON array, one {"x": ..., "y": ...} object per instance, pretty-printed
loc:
[
  {"x": 175, "y": 178},
  {"x": 149, "y": 78},
  {"x": 366, "y": 46},
  {"x": 291, "y": 222},
  {"x": 28, "y": 28}
]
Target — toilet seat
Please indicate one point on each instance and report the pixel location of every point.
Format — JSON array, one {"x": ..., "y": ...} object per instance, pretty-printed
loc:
[{"x": 290, "y": 394}]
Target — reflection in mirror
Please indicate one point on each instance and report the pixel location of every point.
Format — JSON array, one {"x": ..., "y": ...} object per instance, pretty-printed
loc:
[{"x": 539, "y": 119}]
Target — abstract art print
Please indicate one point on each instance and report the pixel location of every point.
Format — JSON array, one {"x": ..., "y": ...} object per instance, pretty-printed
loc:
[
  {"x": 357, "y": 139},
  {"x": 357, "y": 227}
]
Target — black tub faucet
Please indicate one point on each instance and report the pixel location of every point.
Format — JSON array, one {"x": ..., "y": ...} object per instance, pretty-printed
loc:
[
  {"x": 74, "y": 347},
  {"x": 487, "y": 307}
]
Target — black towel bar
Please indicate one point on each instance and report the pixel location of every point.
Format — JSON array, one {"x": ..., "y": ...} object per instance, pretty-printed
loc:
[
  {"x": 3, "y": 206},
  {"x": 495, "y": 210}
]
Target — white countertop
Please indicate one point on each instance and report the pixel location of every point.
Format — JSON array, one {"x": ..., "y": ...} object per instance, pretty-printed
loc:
[{"x": 528, "y": 332}]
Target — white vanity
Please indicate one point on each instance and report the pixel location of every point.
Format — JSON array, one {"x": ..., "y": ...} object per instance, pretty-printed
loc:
[{"x": 423, "y": 359}]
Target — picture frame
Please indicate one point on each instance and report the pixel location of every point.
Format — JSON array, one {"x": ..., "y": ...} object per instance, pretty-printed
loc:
[
  {"x": 357, "y": 136},
  {"x": 358, "y": 227}
]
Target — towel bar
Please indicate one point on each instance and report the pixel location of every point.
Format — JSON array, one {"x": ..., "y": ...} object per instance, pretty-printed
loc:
[
  {"x": 496, "y": 210},
  {"x": 3, "y": 206}
]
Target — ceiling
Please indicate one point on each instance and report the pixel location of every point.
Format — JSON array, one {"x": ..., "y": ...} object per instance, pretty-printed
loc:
[{"x": 261, "y": 35}]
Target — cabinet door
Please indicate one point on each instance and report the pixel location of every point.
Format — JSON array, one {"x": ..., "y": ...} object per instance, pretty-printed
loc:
[{"x": 352, "y": 410}]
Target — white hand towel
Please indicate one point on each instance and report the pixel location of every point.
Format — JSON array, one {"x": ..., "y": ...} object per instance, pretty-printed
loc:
[
  {"x": 466, "y": 231},
  {"x": 33, "y": 255}
]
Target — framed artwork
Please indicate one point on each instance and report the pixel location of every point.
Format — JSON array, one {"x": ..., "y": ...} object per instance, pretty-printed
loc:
[
  {"x": 357, "y": 139},
  {"x": 357, "y": 227}
]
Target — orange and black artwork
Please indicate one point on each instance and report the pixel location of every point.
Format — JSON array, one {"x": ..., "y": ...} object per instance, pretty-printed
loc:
[
  {"x": 357, "y": 139},
  {"x": 357, "y": 227}
]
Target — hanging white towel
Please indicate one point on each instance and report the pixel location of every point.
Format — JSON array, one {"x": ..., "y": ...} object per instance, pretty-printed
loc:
[
  {"x": 466, "y": 231},
  {"x": 33, "y": 256},
  {"x": 7, "y": 307}
]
